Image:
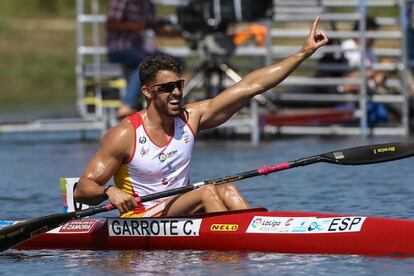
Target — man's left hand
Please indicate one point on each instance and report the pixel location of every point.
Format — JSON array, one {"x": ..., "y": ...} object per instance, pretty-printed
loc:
[{"x": 315, "y": 40}]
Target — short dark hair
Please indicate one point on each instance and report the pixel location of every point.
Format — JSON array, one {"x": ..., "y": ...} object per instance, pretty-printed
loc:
[
  {"x": 151, "y": 65},
  {"x": 370, "y": 24}
]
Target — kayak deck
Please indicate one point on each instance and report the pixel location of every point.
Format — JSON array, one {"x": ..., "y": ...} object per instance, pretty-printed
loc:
[{"x": 244, "y": 230}]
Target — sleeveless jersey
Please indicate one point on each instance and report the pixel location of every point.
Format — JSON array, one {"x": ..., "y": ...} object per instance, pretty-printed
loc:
[{"x": 155, "y": 168}]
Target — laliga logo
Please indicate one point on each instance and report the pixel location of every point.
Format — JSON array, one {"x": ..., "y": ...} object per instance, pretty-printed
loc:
[
  {"x": 257, "y": 222},
  {"x": 162, "y": 157}
]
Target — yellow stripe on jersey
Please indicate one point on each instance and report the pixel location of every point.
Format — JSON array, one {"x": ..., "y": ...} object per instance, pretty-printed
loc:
[{"x": 123, "y": 180}]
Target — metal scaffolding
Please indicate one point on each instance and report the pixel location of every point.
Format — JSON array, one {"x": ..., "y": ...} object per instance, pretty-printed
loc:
[{"x": 91, "y": 65}]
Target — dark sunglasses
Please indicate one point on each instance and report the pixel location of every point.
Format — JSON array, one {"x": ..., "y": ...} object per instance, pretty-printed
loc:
[{"x": 169, "y": 86}]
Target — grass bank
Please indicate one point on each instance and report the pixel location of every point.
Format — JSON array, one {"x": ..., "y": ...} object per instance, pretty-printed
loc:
[
  {"x": 38, "y": 54},
  {"x": 37, "y": 50}
]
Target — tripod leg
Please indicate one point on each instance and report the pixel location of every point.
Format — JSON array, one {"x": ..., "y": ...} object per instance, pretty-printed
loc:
[
  {"x": 230, "y": 72},
  {"x": 208, "y": 75},
  {"x": 194, "y": 82}
]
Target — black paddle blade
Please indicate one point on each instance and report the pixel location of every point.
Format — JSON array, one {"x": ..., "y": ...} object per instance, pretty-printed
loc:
[
  {"x": 13, "y": 235},
  {"x": 369, "y": 154}
]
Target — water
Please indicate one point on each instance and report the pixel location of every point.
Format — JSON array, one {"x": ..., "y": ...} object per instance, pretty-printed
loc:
[{"x": 31, "y": 166}]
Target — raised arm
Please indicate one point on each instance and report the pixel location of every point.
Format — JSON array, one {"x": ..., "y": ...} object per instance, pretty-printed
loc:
[{"x": 216, "y": 111}]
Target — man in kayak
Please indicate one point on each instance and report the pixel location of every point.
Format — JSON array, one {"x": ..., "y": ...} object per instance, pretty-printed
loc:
[{"x": 150, "y": 151}]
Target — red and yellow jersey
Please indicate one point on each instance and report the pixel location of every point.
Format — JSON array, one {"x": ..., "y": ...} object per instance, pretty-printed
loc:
[{"x": 155, "y": 168}]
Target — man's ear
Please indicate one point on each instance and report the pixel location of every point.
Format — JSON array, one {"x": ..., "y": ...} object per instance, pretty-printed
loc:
[{"x": 146, "y": 92}]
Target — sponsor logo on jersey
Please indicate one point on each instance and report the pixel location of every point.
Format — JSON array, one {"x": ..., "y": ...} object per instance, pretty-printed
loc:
[
  {"x": 142, "y": 140},
  {"x": 186, "y": 138},
  {"x": 143, "y": 151},
  {"x": 170, "y": 169},
  {"x": 164, "y": 156}
]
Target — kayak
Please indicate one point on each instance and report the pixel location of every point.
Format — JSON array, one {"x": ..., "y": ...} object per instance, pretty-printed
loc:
[{"x": 244, "y": 230}]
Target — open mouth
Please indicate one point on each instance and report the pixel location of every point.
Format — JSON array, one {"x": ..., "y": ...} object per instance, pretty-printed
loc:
[{"x": 175, "y": 103}]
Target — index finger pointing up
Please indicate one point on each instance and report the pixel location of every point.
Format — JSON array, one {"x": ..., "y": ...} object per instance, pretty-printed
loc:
[{"x": 315, "y": 25}]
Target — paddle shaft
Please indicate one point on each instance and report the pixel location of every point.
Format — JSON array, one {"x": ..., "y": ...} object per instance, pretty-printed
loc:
[
  {"x": 15, "y": 234},
  {"x": 353, "y": 156},
  {"x": 233, "y": 178}
]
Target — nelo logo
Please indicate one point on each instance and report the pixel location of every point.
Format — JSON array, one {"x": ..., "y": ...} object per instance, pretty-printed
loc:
[{"x": 224, "y": 227}]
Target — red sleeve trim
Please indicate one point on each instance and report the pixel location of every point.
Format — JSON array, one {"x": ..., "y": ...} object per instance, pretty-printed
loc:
[
  {"x": 136, "y": 121},
  {"x": 186, "y": 122}
]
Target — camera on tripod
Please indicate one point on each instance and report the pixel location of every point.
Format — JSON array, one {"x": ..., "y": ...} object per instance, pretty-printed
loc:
[{"x": 205, "y": 22}]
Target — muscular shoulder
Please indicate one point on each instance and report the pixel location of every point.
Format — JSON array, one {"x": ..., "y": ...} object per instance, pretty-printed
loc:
[
  {"x": 194, "y": 112},
  {"x": 119, "y": 140}
]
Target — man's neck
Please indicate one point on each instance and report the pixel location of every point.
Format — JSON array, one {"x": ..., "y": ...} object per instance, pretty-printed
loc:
[{"x": 157, "y": 120}]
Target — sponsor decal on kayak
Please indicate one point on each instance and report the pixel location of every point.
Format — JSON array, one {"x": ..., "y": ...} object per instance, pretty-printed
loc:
[
  {"x": 78, "y": 226},
  {"x": 154, "y": 227},
  {"x": 305, "y": 225},
  {"x": 224, "y": 227}
]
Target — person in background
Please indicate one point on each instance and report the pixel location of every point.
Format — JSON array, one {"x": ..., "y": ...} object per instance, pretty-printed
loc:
[
  {"x": 150, "y": 151},
  {"x": 130, "y": 37},
  {"x": 352, "y": 54},
  {"x": 377, "y": 112}
]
